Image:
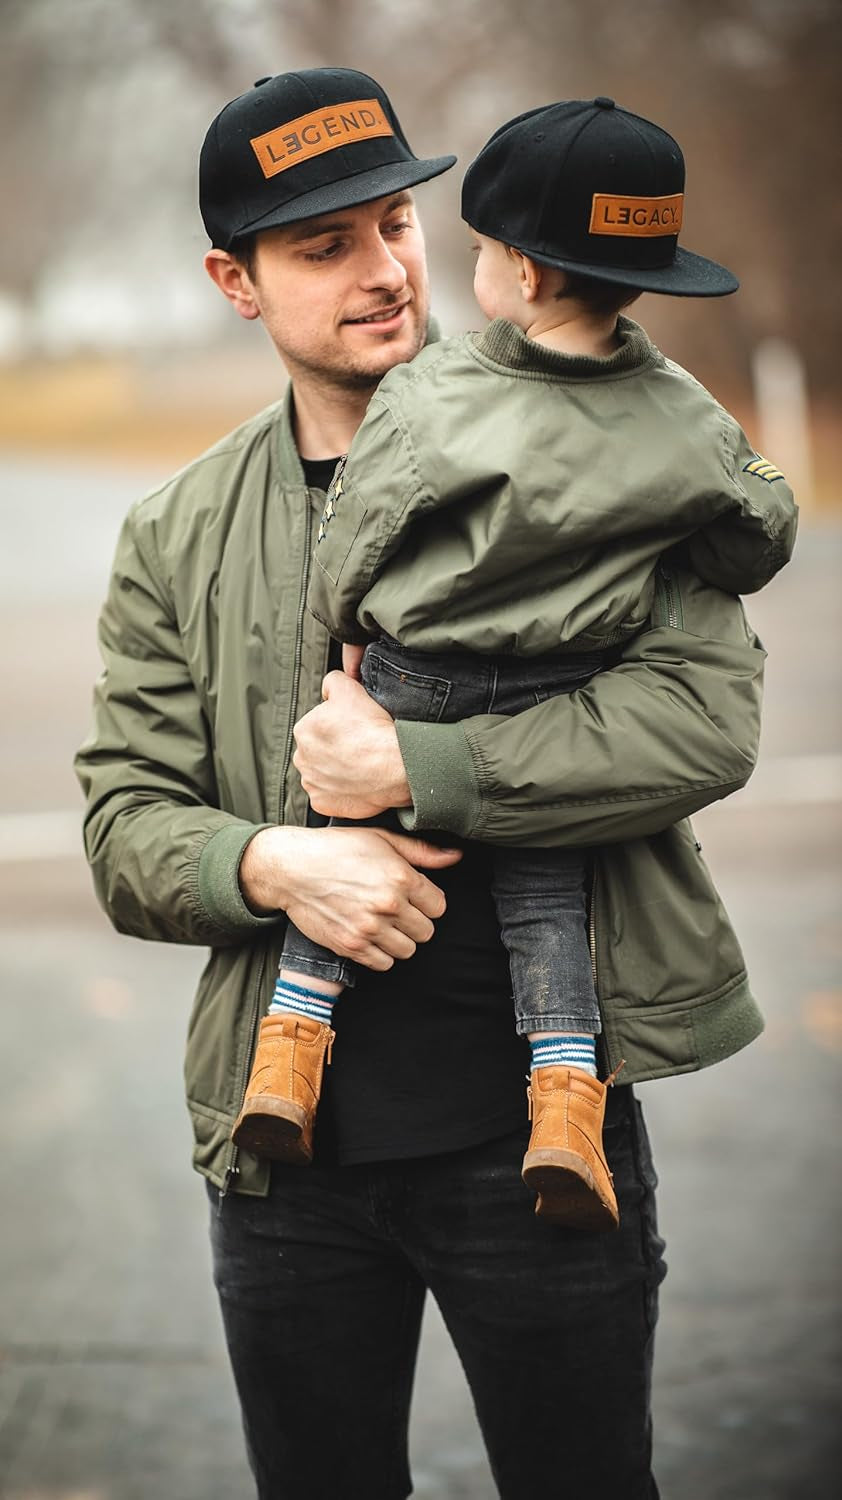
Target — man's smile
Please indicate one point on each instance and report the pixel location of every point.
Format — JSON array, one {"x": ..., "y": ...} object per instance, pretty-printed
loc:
[{"x": 381, "y": 314}]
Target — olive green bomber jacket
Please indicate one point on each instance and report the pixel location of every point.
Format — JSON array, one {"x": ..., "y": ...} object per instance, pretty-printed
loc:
[
  {"x": 502, "y": 497},
  {"x": 210, "y": 656}
]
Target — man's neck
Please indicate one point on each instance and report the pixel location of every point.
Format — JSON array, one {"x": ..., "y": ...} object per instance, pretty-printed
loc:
[{"x": 326, "y": 417}]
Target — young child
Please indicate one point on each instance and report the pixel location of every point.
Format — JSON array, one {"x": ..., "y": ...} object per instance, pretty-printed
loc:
[{"x": 493, "y": 538}]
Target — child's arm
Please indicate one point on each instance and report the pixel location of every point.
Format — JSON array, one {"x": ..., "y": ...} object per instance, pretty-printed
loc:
[
  {"x": 372, "y": 501},
  {"x": 671, "y": 728},
  {"x": 749, "y": 544}
]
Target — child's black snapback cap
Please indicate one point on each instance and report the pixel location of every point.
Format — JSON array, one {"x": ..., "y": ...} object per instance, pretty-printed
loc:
[
  {"x": 301, "y": 144},
  {"x": 586, "y": 186}
]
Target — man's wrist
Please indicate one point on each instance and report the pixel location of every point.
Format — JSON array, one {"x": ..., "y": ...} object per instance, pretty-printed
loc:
[
  {"x": 262, "y": 868},
  {"x": 217, "y": 877},
  {"x": 393, "y": 783}
]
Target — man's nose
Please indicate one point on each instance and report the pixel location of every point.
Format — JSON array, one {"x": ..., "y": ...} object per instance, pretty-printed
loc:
[{"x": 381, "y": 269}]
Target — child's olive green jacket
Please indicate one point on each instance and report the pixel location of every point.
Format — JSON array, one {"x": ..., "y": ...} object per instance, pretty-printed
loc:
[
  {"x": 210, "y": 656},
  {"x": 501, "y": 497}
]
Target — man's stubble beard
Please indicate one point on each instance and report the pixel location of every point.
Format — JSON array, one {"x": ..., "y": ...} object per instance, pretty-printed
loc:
[{"x": 350, "y": 376}]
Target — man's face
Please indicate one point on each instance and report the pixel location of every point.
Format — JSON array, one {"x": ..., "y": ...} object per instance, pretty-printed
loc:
[{"x": 345, "y": 296}]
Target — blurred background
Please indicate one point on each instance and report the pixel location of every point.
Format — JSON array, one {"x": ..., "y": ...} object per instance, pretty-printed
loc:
[{"x": 120, "y": 361}]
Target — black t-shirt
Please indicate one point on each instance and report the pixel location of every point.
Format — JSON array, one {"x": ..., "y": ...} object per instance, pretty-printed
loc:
[{"x": 426, "y": 1057}]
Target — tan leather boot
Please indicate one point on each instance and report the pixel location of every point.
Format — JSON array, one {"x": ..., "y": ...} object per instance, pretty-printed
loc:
[
  {"x": 565, "y": 1163},
  {"x": 279, "y": 1109}
]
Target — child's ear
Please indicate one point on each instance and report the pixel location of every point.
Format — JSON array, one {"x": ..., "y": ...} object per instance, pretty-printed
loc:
[{"x": 529, "y": 275}]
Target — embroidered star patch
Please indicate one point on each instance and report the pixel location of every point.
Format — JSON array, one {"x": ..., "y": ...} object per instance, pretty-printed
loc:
[{"x": 334, "y": 494}]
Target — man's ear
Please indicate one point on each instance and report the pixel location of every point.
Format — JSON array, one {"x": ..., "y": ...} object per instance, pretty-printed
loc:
[
  {"x": 233, "y": 281},
  {"x": 529, "y": 274}
]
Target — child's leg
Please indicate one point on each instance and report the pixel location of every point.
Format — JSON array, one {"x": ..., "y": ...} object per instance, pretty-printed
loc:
[
  {"x": 294, "y": 1041},
  {"x": 310, "y": 978},
  {"x": 279, "y": 1109},
  {"x": 540, "y": 900}
]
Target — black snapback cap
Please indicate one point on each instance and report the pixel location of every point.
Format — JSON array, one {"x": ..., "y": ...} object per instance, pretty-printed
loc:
[
  {"x": 301, "y": 144},
  {"x": 586, "y": 186}
]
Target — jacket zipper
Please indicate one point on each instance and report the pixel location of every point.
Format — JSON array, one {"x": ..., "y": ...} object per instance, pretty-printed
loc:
[
  {"x": 232, "y": 1170},
  {"x": 671, "y": 603},
  {"x": 299, "y": 646},
  {"x": 592, "y": 934},
  {"x": 669, "y": 597},
  {"x": 591, "y": 944}
]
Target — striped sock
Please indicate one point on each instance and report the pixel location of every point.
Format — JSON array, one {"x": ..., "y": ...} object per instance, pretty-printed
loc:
[
  {"x": 566, "y": 1051},
  {"x": 298, "y": 1000}
]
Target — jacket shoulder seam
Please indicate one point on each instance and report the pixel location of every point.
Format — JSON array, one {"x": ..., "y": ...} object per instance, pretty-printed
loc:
[{"x": 227, "y": 447}]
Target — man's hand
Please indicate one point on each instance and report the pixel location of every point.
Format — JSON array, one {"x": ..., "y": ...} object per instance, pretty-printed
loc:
[
  {"x": 348, "y": 755},
  {"x": 355, "y": 890},
  {"x": 352, "y": 661}
]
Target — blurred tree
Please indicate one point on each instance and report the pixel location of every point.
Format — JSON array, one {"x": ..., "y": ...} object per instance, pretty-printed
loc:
[{"x": 103, "y": 105}]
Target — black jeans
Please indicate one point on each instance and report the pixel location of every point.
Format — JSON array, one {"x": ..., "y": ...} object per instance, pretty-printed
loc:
[
  {"x": 322, "y": 1286},
  {"x": 539, "y": 894}
]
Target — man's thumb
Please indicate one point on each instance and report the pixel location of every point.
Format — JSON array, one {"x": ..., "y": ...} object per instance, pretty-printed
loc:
[
  {"x": 333, "y": 684},
  {"x": 422, "y": 853}
]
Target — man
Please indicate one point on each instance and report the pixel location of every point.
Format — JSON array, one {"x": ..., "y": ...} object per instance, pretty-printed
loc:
[{"x": 196, "y": 831}]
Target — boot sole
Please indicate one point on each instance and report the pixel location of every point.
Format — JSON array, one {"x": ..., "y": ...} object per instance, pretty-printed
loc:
[
  {"x": 567, "y": 1191},
  {"x": 273, "y": 1128}
]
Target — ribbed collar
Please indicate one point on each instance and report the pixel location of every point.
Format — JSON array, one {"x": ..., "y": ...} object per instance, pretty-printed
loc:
[{"x": 502, "y": 343}]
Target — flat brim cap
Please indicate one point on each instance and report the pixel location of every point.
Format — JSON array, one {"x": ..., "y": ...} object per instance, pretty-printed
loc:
[
  {"x": 302, "y": 144},
  {"x": 585, "y": 186}
]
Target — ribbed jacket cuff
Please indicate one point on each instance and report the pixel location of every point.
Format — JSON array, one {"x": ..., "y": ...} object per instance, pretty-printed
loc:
[
  {"x": 219, "y": 887},
  {"x": 440, "y": 771}
]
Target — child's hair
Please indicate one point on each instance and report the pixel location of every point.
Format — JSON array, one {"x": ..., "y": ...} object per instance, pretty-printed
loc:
[{"x": 597, "y": 296}]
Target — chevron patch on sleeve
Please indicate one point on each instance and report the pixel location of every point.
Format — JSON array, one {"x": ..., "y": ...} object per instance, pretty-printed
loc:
[{"x": 763, "y": 469}]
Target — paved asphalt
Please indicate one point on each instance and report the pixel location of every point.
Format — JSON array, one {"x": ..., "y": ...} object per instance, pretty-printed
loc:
[{"x": 113, "y": 1380}]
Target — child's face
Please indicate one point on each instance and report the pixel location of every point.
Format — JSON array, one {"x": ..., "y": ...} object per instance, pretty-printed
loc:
[{"x": 496, "y": 282}]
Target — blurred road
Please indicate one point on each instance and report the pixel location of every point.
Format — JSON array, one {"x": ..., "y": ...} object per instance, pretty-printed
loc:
[{"x": 113, "y": 1380}]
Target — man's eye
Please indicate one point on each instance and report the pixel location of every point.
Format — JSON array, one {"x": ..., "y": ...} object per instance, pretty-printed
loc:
[
  {"x": 397, "y": 227},
  {"x": 327, "y": 252}
]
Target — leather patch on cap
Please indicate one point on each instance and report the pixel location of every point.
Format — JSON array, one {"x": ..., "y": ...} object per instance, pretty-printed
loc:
[
  {"x": 646, "y": 217},
  {"x": 321, "y": 130}
]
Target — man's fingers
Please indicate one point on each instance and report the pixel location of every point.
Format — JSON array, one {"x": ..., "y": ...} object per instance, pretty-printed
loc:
[
  {"x": 352, "y": 660},
  {"x": 397, "y": 944},
  {"x": 415, "y": 926},
  {"x": 420, "y": 852},
  {"x": 335, "y": 683}
]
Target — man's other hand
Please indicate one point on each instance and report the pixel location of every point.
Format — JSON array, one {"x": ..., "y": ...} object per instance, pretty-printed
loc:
[
  {"x": 347, "y": 753},
  {"x": 352, "y": 661},
  {"x": 354, "y": 890}
]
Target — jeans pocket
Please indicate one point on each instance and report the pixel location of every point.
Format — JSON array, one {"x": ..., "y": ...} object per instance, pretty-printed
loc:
[{"x": 404, "y": 694}]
